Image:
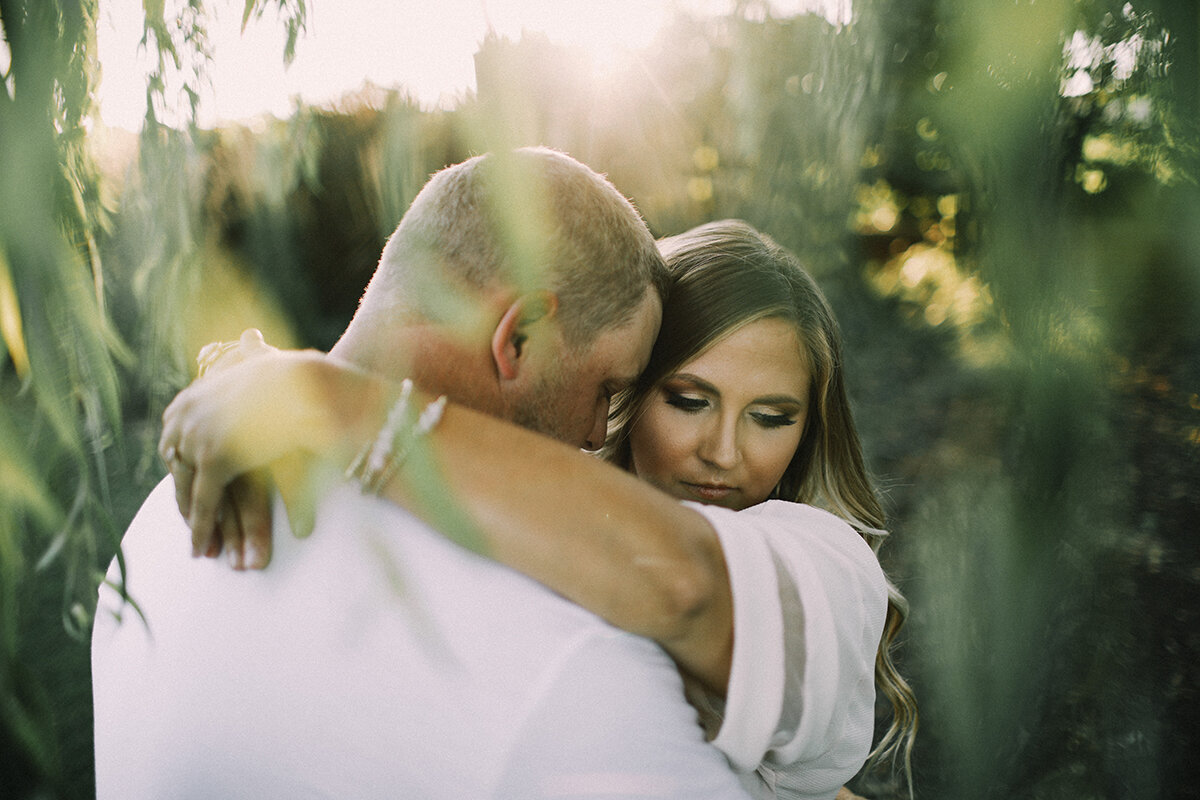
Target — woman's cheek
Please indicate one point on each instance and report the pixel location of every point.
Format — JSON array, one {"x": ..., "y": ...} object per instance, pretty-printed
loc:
[{"x": 656, "y": 442}]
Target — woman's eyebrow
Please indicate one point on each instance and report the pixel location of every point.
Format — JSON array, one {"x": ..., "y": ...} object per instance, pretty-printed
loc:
[
  {"x": 766, "y": 400},
  {"x": 696, "y": 381},
  {"x": 779, "y": 400}
]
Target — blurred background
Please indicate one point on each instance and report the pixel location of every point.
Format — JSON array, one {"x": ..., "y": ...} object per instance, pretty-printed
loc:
[{"x": 1000, "y": 199}]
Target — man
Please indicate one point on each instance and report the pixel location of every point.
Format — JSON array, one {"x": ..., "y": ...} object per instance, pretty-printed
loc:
[{"x": 376, "y": 659}]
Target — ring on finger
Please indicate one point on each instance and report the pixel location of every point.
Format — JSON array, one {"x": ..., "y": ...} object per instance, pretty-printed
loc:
[{"x": 174, "y": 460}]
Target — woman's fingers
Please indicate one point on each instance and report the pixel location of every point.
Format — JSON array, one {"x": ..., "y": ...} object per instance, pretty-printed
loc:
[
  {"x": 183, "y": 475},
  {"x": 200, "y": 444},
  {"x": 237, "y": 419},
  {"x": 228, "y": 532},
  {"x": 252, "y": 504},
  {"x": 198, "y": 491},
  {"x": 168, "y": 450},
  {"x": 208, "y": 490},
  {"x": 217, "y": 356}
]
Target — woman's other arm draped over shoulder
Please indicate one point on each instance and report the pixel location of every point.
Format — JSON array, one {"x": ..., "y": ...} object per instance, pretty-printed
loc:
[{"x": 585, "y": 529}]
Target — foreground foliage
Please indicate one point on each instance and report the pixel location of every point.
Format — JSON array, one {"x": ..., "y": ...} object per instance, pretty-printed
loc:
[{"x": 1001, "y": 201}]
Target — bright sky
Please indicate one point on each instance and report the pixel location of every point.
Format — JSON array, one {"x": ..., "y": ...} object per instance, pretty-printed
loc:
[{"x": 426, "y": 46}]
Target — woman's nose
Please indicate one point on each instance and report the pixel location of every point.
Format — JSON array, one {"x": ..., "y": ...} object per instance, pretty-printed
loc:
[{"x": 718, "y": 444}]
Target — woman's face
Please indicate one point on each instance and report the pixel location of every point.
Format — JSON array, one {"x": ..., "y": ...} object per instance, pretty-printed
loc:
[{"x": 723, "y": 428}]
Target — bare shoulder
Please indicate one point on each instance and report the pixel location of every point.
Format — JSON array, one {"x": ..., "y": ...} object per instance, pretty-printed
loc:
[{"x": 846, "y": 794}]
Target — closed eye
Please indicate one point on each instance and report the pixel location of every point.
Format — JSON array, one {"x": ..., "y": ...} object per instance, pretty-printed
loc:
[
  {"x": 686, "y": 402},
  {"x": 772, "y": 420}
]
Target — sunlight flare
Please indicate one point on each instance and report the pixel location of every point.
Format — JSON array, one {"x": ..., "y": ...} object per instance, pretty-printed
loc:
[{"x": 424, "y": 49}]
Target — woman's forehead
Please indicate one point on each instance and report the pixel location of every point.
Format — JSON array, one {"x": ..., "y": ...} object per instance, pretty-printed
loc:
[{"x": 764, "y": 350}]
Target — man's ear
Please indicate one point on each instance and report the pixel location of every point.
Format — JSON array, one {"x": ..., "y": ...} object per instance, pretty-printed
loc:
[{"x": 513, "y": 330}]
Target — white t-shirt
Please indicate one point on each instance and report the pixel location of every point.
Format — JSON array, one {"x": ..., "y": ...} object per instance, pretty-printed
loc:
[
  {"x": 809, "y": 603},
  {"x": 375, "y": 659}
]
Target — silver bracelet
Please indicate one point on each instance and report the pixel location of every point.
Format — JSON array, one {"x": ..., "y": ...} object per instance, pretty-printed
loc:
[{"x": 379, "y": 460}]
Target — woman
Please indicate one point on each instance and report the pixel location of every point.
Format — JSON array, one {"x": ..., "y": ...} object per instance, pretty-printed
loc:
[{"x": 776, "y": 611}]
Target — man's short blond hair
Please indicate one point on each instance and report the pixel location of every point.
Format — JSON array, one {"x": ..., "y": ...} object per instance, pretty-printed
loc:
[{"x": 529, "y": 219}]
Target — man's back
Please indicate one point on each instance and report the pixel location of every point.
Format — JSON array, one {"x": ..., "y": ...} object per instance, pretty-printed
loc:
[{"x": 375, "y": 659}]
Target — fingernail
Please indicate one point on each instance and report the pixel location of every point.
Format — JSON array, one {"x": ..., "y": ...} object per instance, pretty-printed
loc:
[
  {"x": 235, "y": 557},
  {"x": 254, "y": 557}
]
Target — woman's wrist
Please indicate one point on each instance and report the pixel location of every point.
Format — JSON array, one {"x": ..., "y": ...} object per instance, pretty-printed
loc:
[
  {"x": 347, "y": 407},
  {"x": 406, "y": 424}
]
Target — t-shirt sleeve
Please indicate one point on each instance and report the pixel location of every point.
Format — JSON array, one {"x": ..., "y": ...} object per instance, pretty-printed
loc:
[
  {"x": 611, "y": 722},
  {"x": 809, "y": 602}
]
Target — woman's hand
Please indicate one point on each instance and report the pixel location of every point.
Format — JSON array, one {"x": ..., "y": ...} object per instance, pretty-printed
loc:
[
  {"x": 242, "y": 528},
  {"x": 216, "y": 356},
  {"x": 222, "y": 430},
  {"x": 268, "y": 408}
]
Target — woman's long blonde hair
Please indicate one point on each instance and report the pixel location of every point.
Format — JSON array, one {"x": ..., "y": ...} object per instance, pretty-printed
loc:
[{"x": 725, "y": 275}]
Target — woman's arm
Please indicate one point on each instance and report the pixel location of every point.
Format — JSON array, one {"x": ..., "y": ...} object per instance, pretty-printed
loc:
[
  {"x": 583, "y": 528},
  {"x": 591, "y": 532}
]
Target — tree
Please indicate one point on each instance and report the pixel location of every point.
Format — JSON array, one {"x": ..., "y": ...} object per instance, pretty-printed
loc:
[{"x": 60, "y": 414}]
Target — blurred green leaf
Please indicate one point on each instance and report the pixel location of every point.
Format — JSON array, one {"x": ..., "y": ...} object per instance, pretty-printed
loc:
[{"x": 10, "y": 320}]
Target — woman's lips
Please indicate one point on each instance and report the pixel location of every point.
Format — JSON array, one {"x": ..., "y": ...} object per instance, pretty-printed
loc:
[{"x": 709, "y": 491}]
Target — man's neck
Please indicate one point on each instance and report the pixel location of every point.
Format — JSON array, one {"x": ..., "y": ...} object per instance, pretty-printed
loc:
[{"x": 438, "y": 361}]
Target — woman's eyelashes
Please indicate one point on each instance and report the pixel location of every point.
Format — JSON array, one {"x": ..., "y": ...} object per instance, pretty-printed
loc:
[
  {"x": 691, "y": 404},
  {"x": 685, "y": 402},
  {"x": 768, "y": 420}
]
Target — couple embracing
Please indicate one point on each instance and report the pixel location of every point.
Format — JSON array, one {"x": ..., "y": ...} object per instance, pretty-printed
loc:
[{"x": 475, "y": 608}]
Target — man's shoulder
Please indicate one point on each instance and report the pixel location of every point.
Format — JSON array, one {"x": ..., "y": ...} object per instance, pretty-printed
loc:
[
  {"x": 365, "y": 556},
  {"x": 368, "y": 567},
  {"x": 392, "y": 556}
]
